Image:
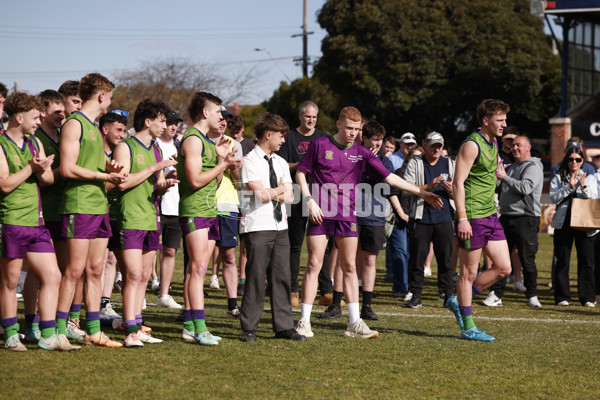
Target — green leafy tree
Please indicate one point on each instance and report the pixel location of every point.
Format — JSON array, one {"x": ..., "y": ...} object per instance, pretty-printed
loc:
[
  {"x": 426, "y": 64},
  {"x": 286, "y": 101}
]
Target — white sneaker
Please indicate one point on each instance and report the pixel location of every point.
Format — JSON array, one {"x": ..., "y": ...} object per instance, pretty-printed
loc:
[
  {"x": 235, "y": 313},
  {"x": 132, "y": 340},
  {"x": 147, "y": 338},
  {"x": 73, "y": 326},
  {"x": 214, "y": 282},
  {"x": 14, "y": 344},
  {"x": 188, "y": 336},
  {"x": 155, "y": 285},
  {"x": 144, "y": 304},
  {"x": 589, "y": 304},
  {"x": 533, "y": 302},
  {"x": 492, "y": 300},
  {"x": 303, "y": 328},
  {"x": 361, "y": 330},
  {"x": 519, "y": 286},
  {"x": 108, "y": 311},
  {"x": 167, "y": 301},
  {"x": 563, "y": 303},
  {"x": 427, "y": 270},
  {"x": 408, "y": 296}
]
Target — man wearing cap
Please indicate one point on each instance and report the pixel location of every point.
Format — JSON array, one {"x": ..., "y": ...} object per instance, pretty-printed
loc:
[
  {"x": 407, "y": 142},
  {"x": 432, "y": 172},
  {"x": 169, "y": 215}
]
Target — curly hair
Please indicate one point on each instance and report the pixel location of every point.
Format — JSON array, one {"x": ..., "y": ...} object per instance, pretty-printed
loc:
[
  {"x": 92, "y": 84},
  {"x": 21, "y": 102}
]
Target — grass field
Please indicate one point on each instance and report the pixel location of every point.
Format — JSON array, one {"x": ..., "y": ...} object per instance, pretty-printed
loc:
[{"x": 544, "y": 353}]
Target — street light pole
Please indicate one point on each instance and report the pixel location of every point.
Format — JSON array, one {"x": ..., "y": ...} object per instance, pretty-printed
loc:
[{"x": 275, "y": 61}]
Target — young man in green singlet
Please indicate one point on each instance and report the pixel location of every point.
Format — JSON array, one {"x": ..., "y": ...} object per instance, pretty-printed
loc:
[
  {"x": 84, "y": 204},
  {"x": 139, "y": 229},
  {"x": 23, "y": 168},
  {"x": 200, "y": 166},
  {"x": 478, "y": 226}
]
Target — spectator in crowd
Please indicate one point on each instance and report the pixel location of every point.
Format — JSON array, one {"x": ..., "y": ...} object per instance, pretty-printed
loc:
[{"x": 407, "y": 142}]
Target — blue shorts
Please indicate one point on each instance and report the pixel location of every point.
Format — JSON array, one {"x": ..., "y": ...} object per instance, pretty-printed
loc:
[{"x": 228, "y": 230}]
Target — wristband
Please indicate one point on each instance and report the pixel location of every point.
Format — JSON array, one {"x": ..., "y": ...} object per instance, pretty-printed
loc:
[
  {"x": 462, "y": 219},
  {"x": 461, "y": 215}
]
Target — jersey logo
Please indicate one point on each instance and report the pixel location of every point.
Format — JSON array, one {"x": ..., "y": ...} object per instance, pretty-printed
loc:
[
  {"x": 17, "y": 160},
  {"x": 140, "y": 159},
  {"x": 329, "y": 155},
  {"x": 302, "y": 147},
  {"x": 355, "y": 158},
  {"x": 209, "y": 154},
  {"x": 353, "y": 227},
  {"x": 92, "y": 134}
]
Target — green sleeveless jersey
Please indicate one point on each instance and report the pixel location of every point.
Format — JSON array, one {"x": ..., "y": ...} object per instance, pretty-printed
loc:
[
  {"x": 201, "y": 202},
  {"x": 480, "y": 185},
  {"x": 51, "y": 195},
  {"x": 22, "y": 206},
  {"x": 138, "y": 204},
  {"x": 113, "y": 197},
  {"x": 81, "y": 196}
]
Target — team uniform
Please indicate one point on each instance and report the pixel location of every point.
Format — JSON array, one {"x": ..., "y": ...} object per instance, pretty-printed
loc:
[
  {"x": 51, "y": 195},
  {"x": 480, "y": 189},
  {"x": 84, "y": 204},
  {"x": 335, "y": 171}
]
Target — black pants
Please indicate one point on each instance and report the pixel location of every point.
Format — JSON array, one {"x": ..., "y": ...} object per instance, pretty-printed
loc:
[
  {"x": 563, "y": 243},
  {"x": 296, "y": 231},
  {"x": 267, "y": 250},
  {"x": 521, "y": 232},
  {"x": 441, "y": 235}
]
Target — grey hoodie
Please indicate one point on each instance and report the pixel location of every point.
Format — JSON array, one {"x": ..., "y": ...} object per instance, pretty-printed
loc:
[{"x": 521, "y": 189}]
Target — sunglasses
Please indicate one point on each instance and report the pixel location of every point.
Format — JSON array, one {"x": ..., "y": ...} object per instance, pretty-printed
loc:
[
  {"x": 577, "y": 160},
  {"x": 118, "y": 111}
]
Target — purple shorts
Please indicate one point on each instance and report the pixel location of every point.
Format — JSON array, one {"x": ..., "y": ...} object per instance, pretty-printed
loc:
[
  {"x": 114, "y": 242},
  {"x": 55, "y": 228},
  {"x": 19, "y": 240},
  {"x": 191, "y": 224},
  {"x": 85, "y": 226},
  {"x": 133, "y": 239},
  {"x": 332, "y": 227},
  {"x": 484, "y": 230}
]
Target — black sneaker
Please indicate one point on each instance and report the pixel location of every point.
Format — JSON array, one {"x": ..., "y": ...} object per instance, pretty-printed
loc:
[
  {"x": 240, "y": 290},
  {"x": 249, "y": 336},
  {"x": 332, "y": 312},
  {"x": 290, "y": 334},
  {"x": 180, "y": 317},
  {"x": 368, "y": 313},
  {"x": 415, "y": 302}
]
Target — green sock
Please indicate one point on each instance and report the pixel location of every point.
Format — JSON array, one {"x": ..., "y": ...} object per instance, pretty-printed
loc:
[
  {"x": 47, "y": 332},
  {"x": 61, "y": 326},
  {"x": 242, "y": 281},
  {"x": 200, "y": 326},
  {"x": 138, "y": 326},
  {"x": 130, "y": 329},
  {"x": 92, "y": 326},
  {"x": 468, "y": 322},
  {"x": 10, "y": 331},
  {"x": 74, "y": 315},
  {"x": 188, "y": 325}
]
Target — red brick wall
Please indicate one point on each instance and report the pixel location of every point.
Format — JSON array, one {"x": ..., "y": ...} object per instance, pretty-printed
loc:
[{"x": 561, "y": 132}]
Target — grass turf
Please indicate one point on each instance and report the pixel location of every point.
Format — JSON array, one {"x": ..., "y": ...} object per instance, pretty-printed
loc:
[{"x": 539, "y": 353}]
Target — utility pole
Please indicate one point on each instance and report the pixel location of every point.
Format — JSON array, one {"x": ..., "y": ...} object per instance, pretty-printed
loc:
[{"x": 304, "y": 35}]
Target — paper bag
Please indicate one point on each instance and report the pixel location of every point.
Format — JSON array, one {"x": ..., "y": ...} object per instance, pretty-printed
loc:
[{"x": 585, "y": 214}]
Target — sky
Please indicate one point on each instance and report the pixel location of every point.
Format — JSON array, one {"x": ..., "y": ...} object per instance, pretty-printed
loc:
[{"x": 46, "y": 43}]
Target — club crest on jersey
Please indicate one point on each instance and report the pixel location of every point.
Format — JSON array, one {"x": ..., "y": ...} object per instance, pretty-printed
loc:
[
  {"x": 140, "y": 159},
  {"x": 209, "y": 154},
  {"x": 329, "y": 155},
  {"x": 353, "y": 227},
  {"x": 92, "y": 134},
  {"x": 17, "y": 160}
]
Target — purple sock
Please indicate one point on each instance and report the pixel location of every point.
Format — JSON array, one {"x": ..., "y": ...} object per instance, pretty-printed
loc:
[
  {"x": 47, "y": 324},
  {"x": 466, "y": 310},
  {"x": 198, "y": 314},
  {"x": 130, "y": 322},
  {"x": 62, "y": 314},
  {"x": 138, "y": 319},
  {"x": 9, "y": 321},
  {"x": 187, "y": 315},
  {"x": 75, "y": 307},
  {"x": 92, "y": 315},
  {"x": 476, "y": 290}
]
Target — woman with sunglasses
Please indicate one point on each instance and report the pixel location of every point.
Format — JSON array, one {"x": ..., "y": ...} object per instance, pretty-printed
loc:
[{"x": 571, "y": 182}]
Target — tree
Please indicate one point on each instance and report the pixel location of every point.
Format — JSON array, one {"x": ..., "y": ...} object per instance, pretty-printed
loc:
[
  {"x": 426, "y": 64},
  {"x": 176, "y": 80}
]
